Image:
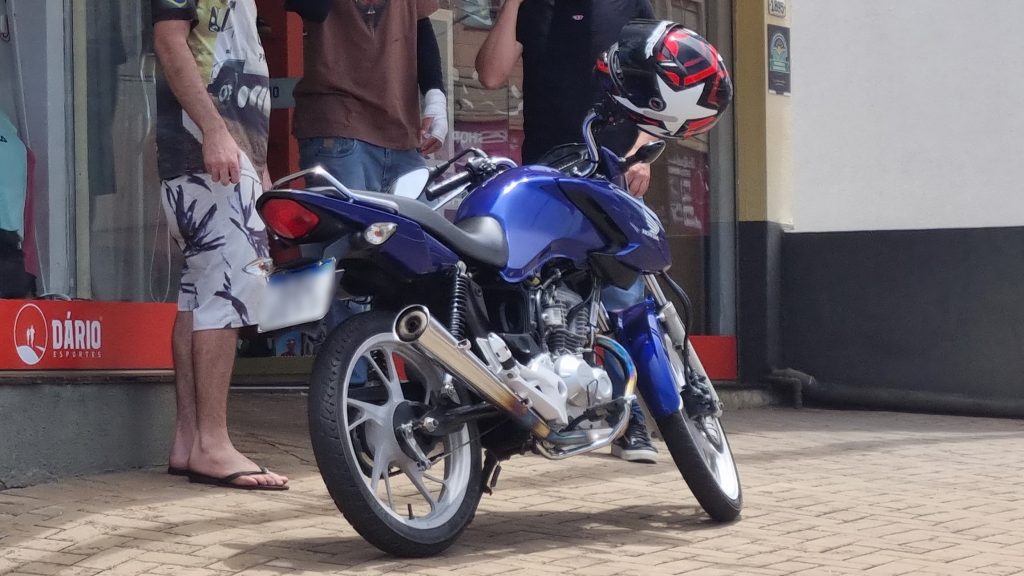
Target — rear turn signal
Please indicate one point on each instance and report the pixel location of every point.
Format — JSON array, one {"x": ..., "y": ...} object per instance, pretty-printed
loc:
[
  {"x": 380, "y": 232},
  {"x": 288, "y": 218}
]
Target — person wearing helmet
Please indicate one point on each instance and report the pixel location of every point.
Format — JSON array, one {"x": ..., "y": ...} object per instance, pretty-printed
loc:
[{"x": 559, "y": 41}]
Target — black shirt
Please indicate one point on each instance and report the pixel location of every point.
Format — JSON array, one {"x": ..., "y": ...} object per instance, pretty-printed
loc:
[{"x": 562, "y": 40}]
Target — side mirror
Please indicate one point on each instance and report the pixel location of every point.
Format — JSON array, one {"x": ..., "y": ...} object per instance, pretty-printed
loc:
[
  {"x": 647, "y": 154},
  {"x": 411, "y": 184}
]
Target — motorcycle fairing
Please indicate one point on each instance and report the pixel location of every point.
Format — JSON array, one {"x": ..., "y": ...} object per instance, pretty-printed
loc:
[
  {"x": 540, "y": 223},
  {"x": 638, "y": 329},
  {"x": 547, "y": 215}
]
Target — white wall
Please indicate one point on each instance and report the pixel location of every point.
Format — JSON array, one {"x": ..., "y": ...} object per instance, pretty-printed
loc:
[{"x": 908, "y": 114}]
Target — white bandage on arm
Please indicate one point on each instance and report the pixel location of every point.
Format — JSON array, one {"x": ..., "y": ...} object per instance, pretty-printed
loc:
[{"x": 435, "y": 106}]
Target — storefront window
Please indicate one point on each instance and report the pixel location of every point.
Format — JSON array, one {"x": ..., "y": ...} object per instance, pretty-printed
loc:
[
  {"x": 34, "y": 167},
  {"x": 692, "y": 191},
  {"x": 126, "y": 251},
  {"x": 490, "y": 120}
]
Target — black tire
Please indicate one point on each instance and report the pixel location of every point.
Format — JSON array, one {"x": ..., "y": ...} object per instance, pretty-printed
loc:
[
  {"x": 702, "y": 482},
  {"x": 701, "y": 451},
  {"x": 339, "y": 466}
]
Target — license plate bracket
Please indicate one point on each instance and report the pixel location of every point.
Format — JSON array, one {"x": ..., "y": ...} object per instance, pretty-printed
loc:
[{"x": 297, "y": 296}]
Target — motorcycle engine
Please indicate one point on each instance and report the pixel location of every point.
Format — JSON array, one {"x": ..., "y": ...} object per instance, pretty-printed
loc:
[
  {"x": 567, "y": 331},
  {"x": 558, "y": 383}
]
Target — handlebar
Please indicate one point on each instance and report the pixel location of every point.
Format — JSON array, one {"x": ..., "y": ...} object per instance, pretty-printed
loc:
[
  {"x": 448, "y": 185},
  {"x": 476, "y": 170}
]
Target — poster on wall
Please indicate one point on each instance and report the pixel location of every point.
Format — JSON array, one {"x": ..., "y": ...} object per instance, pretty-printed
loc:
[
  {"x": 492, "y": 136},
  {"x": 688, "y": 210},
  {"x": 779, "y": 60}
]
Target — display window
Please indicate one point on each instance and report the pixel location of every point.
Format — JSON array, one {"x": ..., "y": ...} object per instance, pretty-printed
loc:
[{"x": 80, "y": 211}]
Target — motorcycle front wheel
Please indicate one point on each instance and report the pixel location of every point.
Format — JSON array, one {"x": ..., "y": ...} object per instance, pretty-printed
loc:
[
  {"x": 700, "y": 449},
  {"x": 365, "y": 384}
]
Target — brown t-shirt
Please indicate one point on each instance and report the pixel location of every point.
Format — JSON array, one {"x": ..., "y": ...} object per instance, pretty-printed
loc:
[{"x": 360, "y": 73}]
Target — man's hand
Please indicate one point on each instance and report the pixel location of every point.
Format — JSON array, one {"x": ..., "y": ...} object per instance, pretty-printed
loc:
[
  {"x": 638, "y": 178},
  {"x": 434, "y": 121},
  {"x": 428, "y": 144},
  {"x": 222, "y": 157}
]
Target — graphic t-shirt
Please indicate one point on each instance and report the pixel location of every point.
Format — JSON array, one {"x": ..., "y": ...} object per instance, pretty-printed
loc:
[
  {"x": 360, "y": 73},
  {"x": 226, "y": 46}
]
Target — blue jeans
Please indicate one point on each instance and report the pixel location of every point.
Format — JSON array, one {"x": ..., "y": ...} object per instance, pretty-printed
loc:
[
  {"x": 616, "y": 299},
  {"x": 357, "y": 164}
]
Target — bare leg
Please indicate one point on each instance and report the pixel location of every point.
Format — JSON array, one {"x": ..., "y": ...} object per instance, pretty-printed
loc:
[
  {"x": 213, "y": 454},
  {"x": 185, "y": 391}
]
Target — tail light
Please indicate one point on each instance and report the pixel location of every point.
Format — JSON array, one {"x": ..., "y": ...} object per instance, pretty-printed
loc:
[{"x": 289, "y": 219}]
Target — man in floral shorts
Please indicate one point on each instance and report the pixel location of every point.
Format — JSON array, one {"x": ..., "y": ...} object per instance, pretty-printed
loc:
[{"x": 213, "y": 120}]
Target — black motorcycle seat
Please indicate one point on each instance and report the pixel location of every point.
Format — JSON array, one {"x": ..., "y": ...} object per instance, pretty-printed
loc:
[{"x": 480, "y": 239}]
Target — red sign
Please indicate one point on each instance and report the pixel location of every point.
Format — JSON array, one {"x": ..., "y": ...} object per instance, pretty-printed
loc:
[
  {"x": 718, "y": 355},
  {"x": 79, "y": 335}
]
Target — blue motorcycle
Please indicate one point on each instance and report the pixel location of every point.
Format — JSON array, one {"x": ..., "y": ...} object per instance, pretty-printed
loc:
[{"x": 487, "y": 336}]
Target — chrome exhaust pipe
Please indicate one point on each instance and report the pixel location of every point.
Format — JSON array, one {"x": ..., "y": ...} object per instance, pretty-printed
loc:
[{"x": 415, "y": 326}]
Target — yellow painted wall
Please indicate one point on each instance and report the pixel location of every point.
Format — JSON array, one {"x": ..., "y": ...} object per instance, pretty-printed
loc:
[{"x": 763, "y": 121}]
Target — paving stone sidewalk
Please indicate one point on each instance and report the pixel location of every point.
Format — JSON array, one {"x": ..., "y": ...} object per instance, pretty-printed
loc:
[{"x": 826, "y": 493}]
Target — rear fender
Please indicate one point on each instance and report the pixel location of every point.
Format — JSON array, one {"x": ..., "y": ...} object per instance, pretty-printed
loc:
[
  {"x": 410, "y": 250},
  {"x": 638, "y": 329}
]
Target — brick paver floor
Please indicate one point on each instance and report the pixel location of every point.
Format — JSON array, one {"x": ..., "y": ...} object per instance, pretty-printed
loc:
[{"x": 826, "y": 493}]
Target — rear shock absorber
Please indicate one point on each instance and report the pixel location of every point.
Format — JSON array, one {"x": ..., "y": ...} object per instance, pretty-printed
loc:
[{"x": 460, "y": 300}]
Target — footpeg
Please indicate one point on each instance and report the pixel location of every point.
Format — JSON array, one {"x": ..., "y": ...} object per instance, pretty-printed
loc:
[
  {"x": 489, "y": 478},
  {"x": 494, "y": 479}
]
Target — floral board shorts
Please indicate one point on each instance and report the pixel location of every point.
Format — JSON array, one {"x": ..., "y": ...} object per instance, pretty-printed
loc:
[{"x": 219, "y": 233}]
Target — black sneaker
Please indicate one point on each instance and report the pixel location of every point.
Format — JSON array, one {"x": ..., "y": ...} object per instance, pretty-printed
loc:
[{"x": 635, "y": 445}]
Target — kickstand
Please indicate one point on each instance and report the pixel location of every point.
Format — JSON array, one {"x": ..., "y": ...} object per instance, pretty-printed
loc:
[{"x": 492, "y": 468}]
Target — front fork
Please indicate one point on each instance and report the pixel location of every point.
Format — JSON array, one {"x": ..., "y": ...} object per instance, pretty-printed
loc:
[
  {"x": 667, "y": 313},
  {"x": 654, "y": 335}
]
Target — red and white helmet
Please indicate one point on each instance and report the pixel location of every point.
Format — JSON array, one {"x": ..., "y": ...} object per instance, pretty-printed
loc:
[{"x": 665, "y": 78}]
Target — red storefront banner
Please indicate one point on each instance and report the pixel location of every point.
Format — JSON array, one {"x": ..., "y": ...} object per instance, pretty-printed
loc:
[{"x": 83, "y": 335}]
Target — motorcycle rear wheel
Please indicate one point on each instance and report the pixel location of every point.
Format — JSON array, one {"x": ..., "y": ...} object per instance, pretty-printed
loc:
[
  {"x": 364, "y": 381},
  {"x": 701, "y": 452}
]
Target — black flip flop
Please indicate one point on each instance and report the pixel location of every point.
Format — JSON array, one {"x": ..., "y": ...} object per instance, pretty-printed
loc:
[
  {"x": 174, "y": 471},
  {"x": 228, "y": 481}
]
